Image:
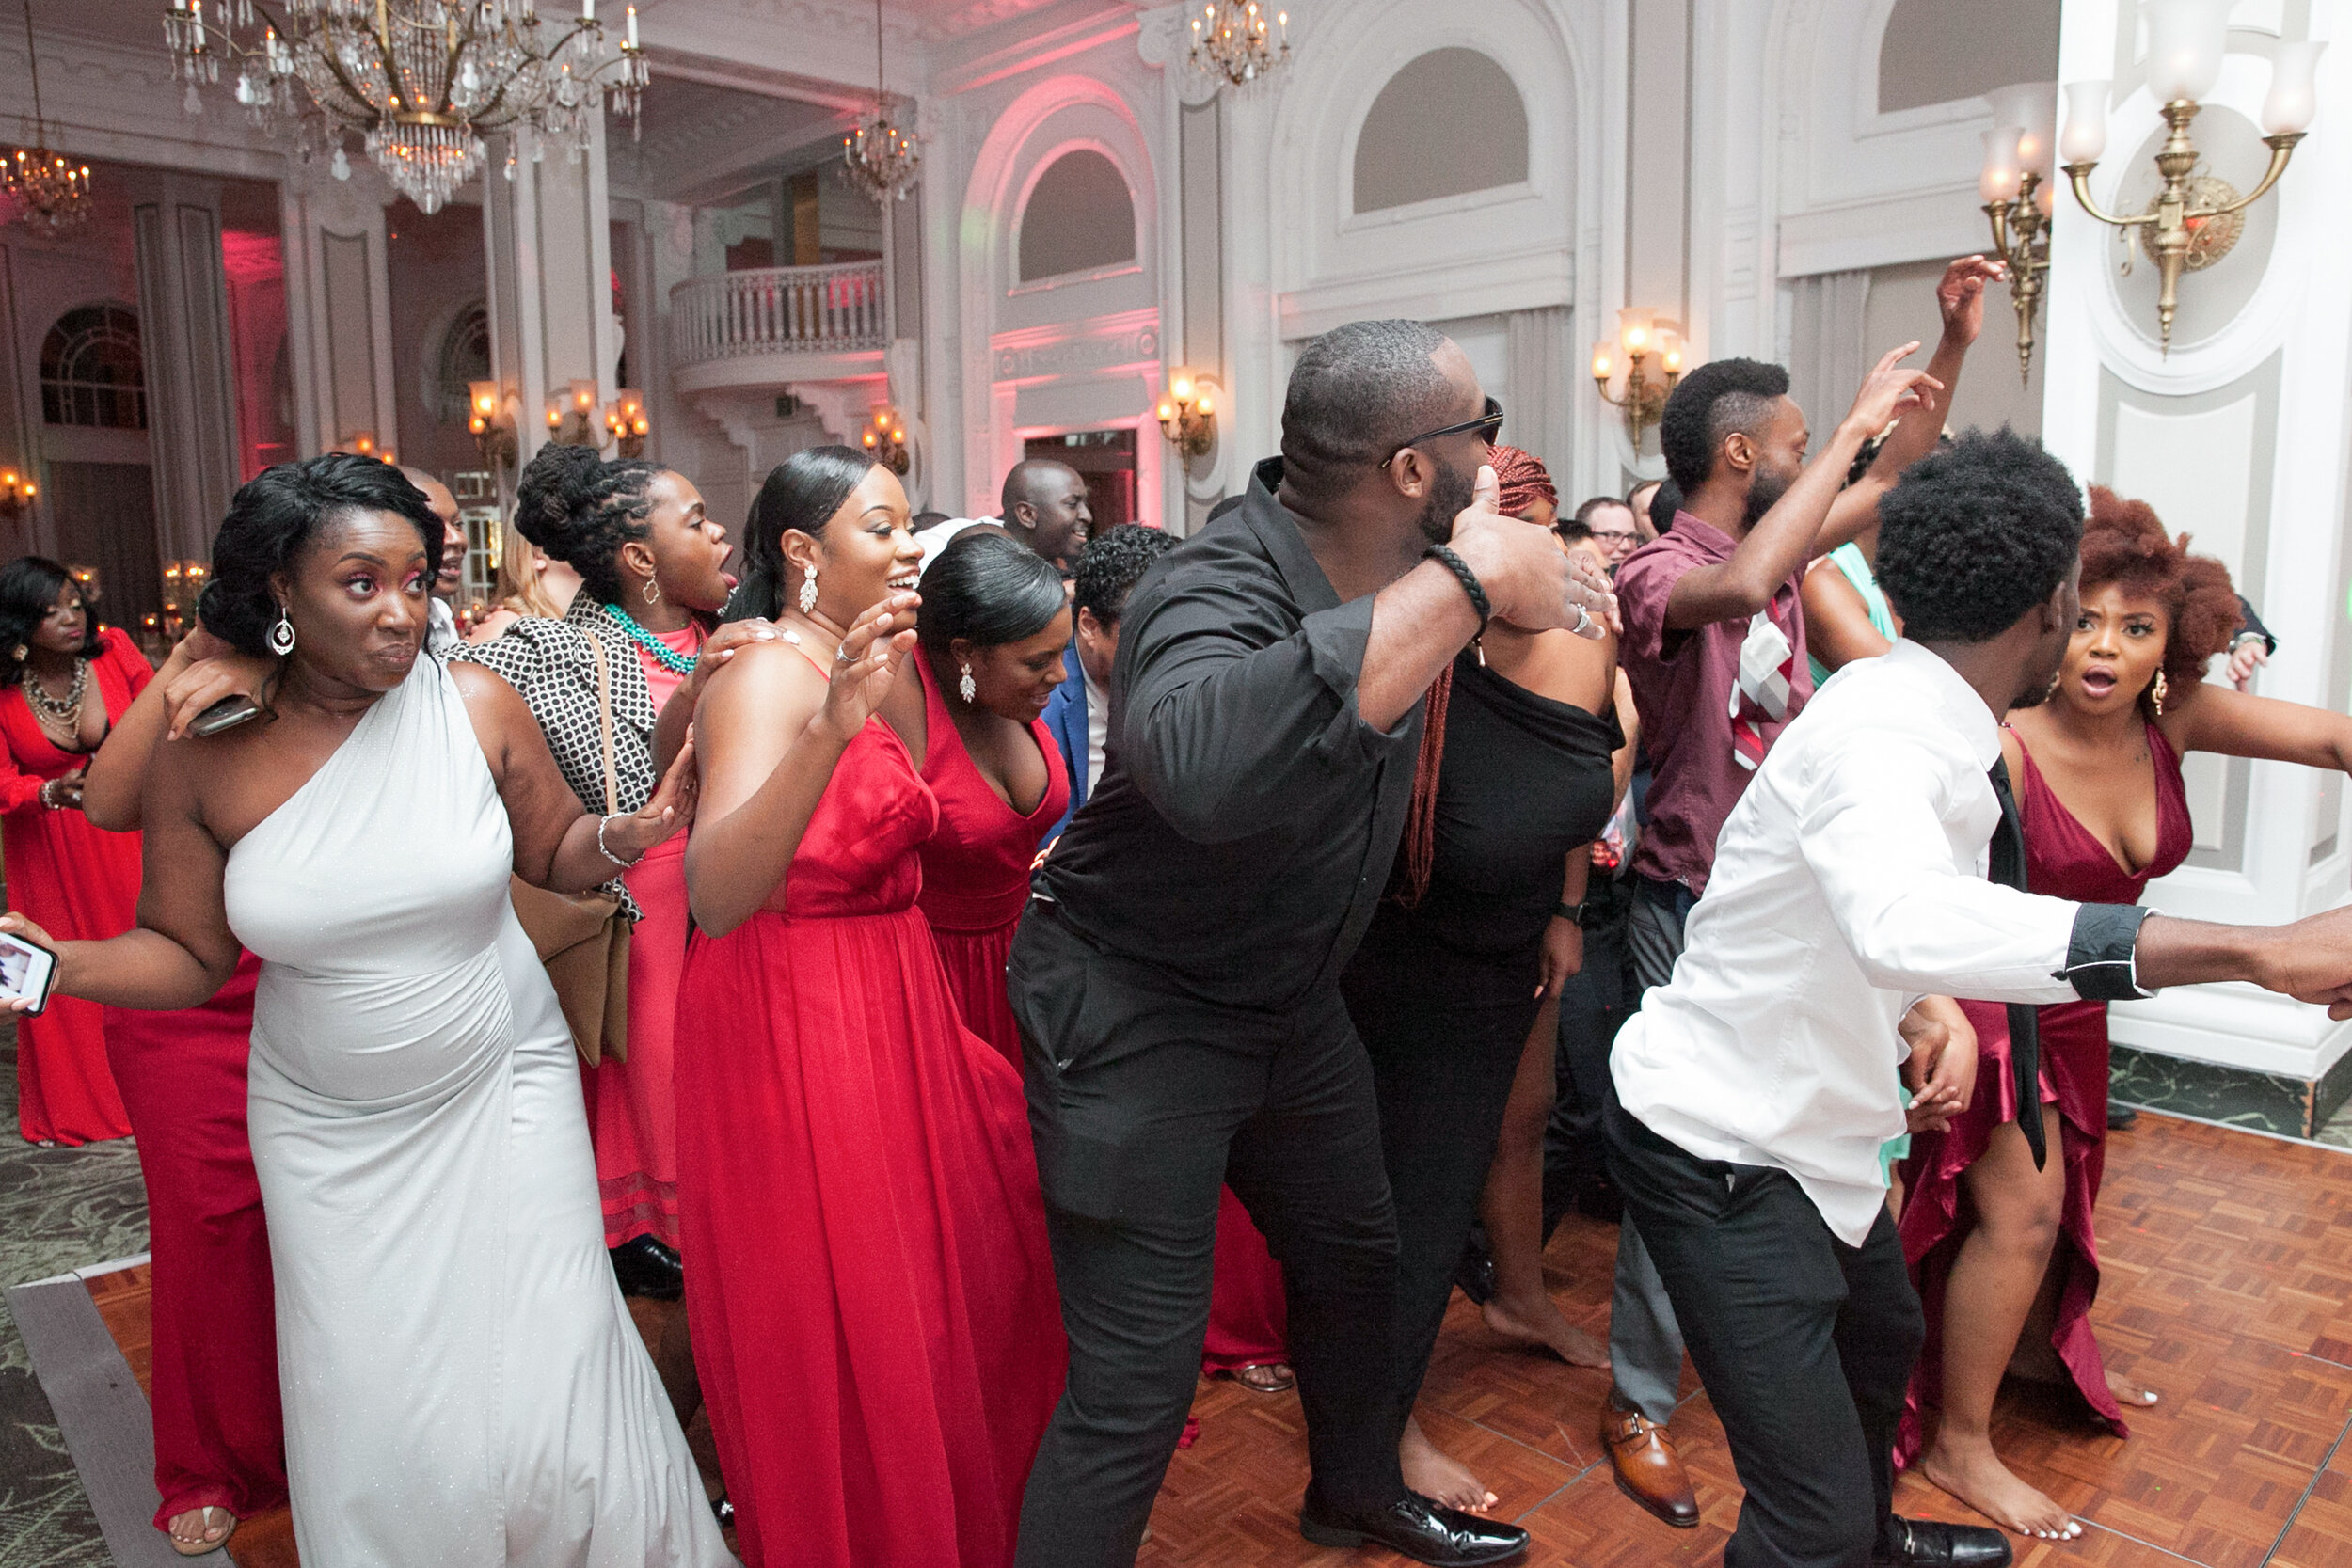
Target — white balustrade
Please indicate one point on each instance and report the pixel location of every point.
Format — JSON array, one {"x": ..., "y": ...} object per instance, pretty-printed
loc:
[{"x": 830, "y": 310}]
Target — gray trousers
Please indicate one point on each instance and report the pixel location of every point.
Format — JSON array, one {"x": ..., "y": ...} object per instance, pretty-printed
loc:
[{"x": 1644, "y": 1341}]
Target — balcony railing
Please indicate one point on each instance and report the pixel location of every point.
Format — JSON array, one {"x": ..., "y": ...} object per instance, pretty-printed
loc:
[{"x": 834, "y": 309}]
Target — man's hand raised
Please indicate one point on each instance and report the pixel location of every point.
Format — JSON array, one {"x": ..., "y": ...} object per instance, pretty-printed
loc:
[
  {"x": 1959, "y": 296},
  {"x": 1530, "y": 582},
  {"x": 1889, "y": 391}
]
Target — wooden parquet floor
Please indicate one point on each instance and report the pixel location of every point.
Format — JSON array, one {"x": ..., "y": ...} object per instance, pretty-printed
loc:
[{"x": 2228, "y": 1286}]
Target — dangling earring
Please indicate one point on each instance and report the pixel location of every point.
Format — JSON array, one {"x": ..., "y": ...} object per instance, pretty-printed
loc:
[
  {"x": 282, "y": 636},
  {"x": 808, "y": 591},
  {"x": 2155, "y": 694},
  {"x": 969, "y": 687},
  {"x": 20, "y": 652},
  {"x": 653, "y": 592}
]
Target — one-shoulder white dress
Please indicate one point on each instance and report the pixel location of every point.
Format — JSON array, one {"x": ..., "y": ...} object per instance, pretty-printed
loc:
[{"x": 463, "y": 1385}]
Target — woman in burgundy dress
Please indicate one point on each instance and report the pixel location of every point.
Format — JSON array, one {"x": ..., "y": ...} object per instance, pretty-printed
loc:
[
  {"x": 874, "y": 1314},
  {"x": 69, "y": 681},
  {"x": 1995, "y": 1244},
  {"x": 993, "y": 627}
]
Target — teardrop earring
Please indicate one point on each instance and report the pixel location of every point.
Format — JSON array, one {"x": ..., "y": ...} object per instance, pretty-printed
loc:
[
  {"x": 2155, "y": 694},
  {"x": 282, "y": 636},
  {"x": 808, "y": 593},
  {"x": 968, "y": 686}
]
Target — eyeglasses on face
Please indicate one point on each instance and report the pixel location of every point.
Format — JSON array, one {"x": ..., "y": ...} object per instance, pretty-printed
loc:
[{"x": 1488, "y": 426}]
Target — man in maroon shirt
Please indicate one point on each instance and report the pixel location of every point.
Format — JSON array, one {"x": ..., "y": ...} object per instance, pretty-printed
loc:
[{"x": 1714, "y": 650}]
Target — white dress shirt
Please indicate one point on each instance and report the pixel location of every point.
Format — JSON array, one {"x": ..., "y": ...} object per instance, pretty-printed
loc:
[
  {"x": 1849, "y": 881},
  {"x": 441, "y": 629},
  {"x": 1098, "y": 728},
  {"x": 940, "y": 535}
]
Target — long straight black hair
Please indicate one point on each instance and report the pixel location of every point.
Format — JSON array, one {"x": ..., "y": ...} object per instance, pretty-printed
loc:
[{"x": 801, "y": 492}]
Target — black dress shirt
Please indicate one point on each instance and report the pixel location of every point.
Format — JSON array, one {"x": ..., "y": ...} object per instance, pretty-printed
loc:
[{"x": 1247, "y": 816}]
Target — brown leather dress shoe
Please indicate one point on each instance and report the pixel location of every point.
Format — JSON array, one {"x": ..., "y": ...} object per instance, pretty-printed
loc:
[{"x": 1648, "y": 1469}]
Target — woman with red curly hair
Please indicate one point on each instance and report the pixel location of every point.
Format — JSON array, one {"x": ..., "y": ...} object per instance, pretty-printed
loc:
[{"x": 2002, "y": 1252}]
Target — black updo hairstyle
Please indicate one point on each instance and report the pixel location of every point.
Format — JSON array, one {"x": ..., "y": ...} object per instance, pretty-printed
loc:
[
  {"x": 802, "y": 492},
  {"x": 28, "y": 586},
  {"x": 989, "y": 589},
  {"x": 581, "y": 510},
  {"x": 273, "y": 518}
]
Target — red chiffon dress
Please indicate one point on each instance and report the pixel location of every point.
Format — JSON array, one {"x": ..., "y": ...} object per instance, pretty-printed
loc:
[
  {"x": 2065, "y": 859},
  {"x": 874, "y": 1314},
  {"x": 77, "y": 882},
  {"x": 632, "y": 1105},
  {"x": 221, "y": 1437},
  {"x": 976, "y": 867}
]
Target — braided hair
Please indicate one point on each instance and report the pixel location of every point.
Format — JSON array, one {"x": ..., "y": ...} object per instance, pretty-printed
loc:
[{"x": 581, "y": 510}]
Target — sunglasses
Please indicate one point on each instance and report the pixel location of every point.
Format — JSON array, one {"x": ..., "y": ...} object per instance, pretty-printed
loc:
[{"x": 1488, "y": 426}]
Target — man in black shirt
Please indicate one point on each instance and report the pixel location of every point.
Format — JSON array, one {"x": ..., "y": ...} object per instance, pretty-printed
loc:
[{"x": 1176, "y": 974}]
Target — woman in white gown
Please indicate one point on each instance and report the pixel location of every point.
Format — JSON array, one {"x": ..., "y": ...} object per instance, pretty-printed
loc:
[{"x": 463, "y": 1384}]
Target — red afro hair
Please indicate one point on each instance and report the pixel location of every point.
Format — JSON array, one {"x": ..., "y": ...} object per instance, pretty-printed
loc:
[{"x": 2125, "y": 544}]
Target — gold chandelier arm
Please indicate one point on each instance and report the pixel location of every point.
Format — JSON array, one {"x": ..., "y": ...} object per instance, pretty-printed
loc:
[
  {"x": 2282, "y": 149},
  {"x": 2079, "y": 176}
]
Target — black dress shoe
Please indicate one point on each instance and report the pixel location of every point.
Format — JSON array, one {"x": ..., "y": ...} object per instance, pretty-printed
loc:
[
  {"x": 646, "y": 1268},
  {"x": 1932, "y": 1544},
  {"x": 1474, "y": 1276},
  {"x": 1419, "y": 1528}
]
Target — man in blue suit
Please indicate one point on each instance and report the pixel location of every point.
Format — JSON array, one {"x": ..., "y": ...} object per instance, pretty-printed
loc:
[{"x": 1078, "y": 713}]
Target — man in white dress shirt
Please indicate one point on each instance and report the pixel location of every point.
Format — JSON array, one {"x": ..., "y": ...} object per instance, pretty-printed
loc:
[{"x": 1753, "y": 1092}]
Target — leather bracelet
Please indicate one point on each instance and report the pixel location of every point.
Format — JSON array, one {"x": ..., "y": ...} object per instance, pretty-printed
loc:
[
  {"x": 1469, "y": 579},
  {"x": 602, "y": 823},
  {"x": 1569, "y": 911}
]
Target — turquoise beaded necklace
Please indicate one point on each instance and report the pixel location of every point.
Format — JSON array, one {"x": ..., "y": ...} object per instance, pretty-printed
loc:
[{"x": 669, "y": 658}]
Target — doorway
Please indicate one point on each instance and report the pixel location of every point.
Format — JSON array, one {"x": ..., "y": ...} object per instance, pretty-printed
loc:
[{"x": 1105, "y": 459}]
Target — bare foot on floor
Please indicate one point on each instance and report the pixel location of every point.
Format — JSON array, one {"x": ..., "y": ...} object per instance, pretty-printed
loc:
[
  {"x": 200, "y": 1529},
  {"x": 2130, "y": 1392},
  {"x": 1437, "y": 1477},
  {"x": 1545, "y": 1329},
  {"x": 1977, "y": 1477}
]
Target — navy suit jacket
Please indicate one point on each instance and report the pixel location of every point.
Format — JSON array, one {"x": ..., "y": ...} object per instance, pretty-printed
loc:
[{"x": 1065, "y": 714}]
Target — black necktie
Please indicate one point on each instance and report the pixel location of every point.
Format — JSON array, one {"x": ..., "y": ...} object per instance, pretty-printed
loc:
[{"x": 2024, "y": 1026}]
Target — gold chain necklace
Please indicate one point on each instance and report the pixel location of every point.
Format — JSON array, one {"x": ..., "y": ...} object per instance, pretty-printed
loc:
[{"x": 66, "y": 710}]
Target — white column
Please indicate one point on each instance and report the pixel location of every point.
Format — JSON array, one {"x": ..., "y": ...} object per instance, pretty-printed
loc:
[
  {"x": 2239, "y": 436},
  {"x": 183, "y": 331},
  {"x": 338, "y": 307},
  {"x": 549, "y": 235}
]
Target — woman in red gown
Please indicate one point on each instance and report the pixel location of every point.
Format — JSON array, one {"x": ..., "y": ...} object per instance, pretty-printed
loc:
[
  {"x": 69, "y": 681},
  {"x": 1995, "y": 1244},
  {"x": 874, "y": 1314},
  {"x": 992, "y": 627}
]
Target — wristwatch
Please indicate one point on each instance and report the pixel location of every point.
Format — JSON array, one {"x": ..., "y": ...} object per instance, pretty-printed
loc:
[{"x": 1571, "y": 911}]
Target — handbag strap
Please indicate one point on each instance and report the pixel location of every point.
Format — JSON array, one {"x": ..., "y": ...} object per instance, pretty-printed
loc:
[{"x": 604, "y": 715}]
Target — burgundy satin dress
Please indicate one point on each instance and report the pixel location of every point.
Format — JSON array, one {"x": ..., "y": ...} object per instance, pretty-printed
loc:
[
  {"x": 874, "y": 1313},
  {"x": 2065, "y": 859}
]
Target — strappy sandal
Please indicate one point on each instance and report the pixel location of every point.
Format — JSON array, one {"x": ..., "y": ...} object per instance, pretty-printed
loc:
[
  {"x": 1270, "y": 1377},
  {"x": 207, "y": 1542}
]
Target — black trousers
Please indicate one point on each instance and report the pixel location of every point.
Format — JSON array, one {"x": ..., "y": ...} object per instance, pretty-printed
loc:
[
  {"x": 1445, "y": 1034},
  {"x": 1804, "y": 1343},
  {"x": 1142, "y": 1102}
]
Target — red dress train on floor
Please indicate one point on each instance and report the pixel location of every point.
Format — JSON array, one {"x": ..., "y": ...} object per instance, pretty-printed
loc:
[
  {"x": 77, "y": 882},
  {"x": 2065, "y": 859},
  {"x": 976, "y": 867},
  {"x": 220, "y": 1435},
  {"x": 874, "y": 1314}
]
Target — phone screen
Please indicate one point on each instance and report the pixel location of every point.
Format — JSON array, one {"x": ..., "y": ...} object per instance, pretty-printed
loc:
[{"x": 26, "y": 969}]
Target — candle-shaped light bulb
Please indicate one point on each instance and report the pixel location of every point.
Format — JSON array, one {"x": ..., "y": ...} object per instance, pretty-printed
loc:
[
  {"x": 2293, "y": 89},
  {"x": 587, "y": 10},
  {"x": 555, "y": 417},
  {"x": 1604, "y": 363},
  {"x": 2085, "y": 136},
  {"x": 632, "y": 26}
]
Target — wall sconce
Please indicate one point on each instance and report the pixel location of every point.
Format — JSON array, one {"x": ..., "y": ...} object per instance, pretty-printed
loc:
[
  {"x": 2016, "y": 188},
  {"x": 184, "y": 585},
  {"x": 625, "y": 422},
  {"x": 1639, "y": 337},
  {"x": 572, "y": 417},
  {"x": 885, "y": 440},
  {"x": 492, "y": 423},
  {"x": 16, "y": 494},
  {"x": 2194, "y": 220},
  {"x": 1188, "y": 414}
]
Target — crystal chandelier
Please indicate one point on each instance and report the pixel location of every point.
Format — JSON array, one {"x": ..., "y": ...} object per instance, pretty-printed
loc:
[
  {"x": 881, "y": 158},
  {"x": 420, "y": 80},
  {"x": 48, "y": 193},
  {"x": 1229, "y": 39}
]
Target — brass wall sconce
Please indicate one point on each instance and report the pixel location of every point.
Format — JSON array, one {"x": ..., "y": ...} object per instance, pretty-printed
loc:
[
  {"x": 183, "y": 586},
  {"x": 492, "y": 423},
  {"x": 1644, "y": 400},
  {"x": 572, "y": 417},
  {"x": 626, "y": 422},
  {"x": 2017, "y": 193},
  {"x": 1187, "y": 415},
  {"x": 16, "y": 494},
  {"x": 2194, "y": 220},
  {"x": 885, "y": 440}
]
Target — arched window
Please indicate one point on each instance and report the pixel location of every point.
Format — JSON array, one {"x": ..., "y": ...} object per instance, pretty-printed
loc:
[
  {"x": 1081, "y": 217},
  {"x": 90, "y": 370},
  {"x": 465, "y": 358},
  {"x": 1448, "y": 123}
]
